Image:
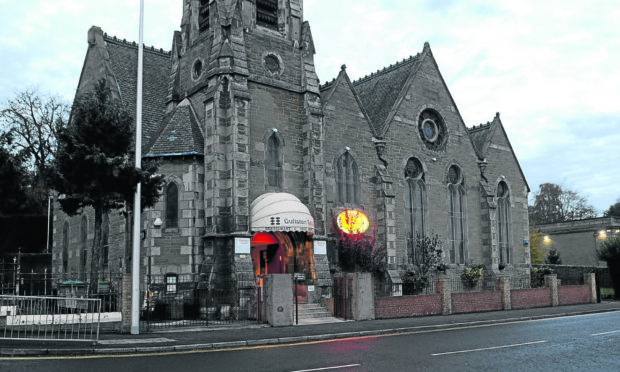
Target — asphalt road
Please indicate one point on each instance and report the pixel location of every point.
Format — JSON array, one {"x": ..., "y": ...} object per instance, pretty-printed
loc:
[{"x": 579, "y": 343}]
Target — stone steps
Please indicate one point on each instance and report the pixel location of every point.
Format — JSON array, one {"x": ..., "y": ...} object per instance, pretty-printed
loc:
[{"x": 307, "y": 311}]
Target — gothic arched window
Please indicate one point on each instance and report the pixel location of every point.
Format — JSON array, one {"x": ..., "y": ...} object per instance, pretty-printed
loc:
[
  {"x": 273, "y": 161},
  {"x": 503, "y": 223},
  {"x": 203, "y": 15},
  {"x": 172, "y": 205},
  {"x": 456, "y": 192},
  {"x": 267, "y": 13},
  {"x": 415, "y": 203},
  {"x": 347, "y": 180}
]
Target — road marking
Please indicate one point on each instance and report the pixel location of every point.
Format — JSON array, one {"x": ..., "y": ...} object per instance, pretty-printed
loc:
[
  {"x": 604, "y": 333},
  {"x": 135, "y": 341},
  {"x": 326, "y": 368},
  {"x": 489, "y": 348},
  {"x": 420, "y": 330}
]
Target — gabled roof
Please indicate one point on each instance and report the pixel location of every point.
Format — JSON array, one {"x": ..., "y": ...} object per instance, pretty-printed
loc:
[
  {"x": 180, "y": 134},
  {"x": 124, "y": 65},
  {"x": 380, "y": 91},
  {"x": 480, "y": 136},
  {"x": 327, "y": 91}
]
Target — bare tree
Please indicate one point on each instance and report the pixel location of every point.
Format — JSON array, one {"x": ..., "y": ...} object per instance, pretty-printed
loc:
[
  {"x": 33, "y": 121},
  {"x": 554, "y": 204}
]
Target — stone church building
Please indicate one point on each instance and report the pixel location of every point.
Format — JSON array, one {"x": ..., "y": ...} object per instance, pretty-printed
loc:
[{"x": 259, "y": 158}]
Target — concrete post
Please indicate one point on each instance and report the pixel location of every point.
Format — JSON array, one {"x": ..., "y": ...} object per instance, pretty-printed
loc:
[
  {"x": 590, "y": 280},
  {"x": 551, "y": 282},
  {"x": 503, "y": 284},
  {"x": 126, "y": 284},
  {"x": 278, "y": 303},
  {"x": 442, "y": 286},
  {"x": 363, "y": 302}
]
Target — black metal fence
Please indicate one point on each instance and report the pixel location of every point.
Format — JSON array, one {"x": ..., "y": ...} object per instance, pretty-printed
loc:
[
  {"x": 64, "y": 285},
  {"x": 486, "y": 283},
  {"x": 189, "y": 300}
]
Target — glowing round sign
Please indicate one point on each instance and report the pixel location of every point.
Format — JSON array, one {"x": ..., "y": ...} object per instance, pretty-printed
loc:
[{"x": 352, "y": 222}]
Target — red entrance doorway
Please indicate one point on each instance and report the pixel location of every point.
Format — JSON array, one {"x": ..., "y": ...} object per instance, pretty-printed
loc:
[
  {"x": 267, "y": 255},
  {"x": 281, "y": 253}
]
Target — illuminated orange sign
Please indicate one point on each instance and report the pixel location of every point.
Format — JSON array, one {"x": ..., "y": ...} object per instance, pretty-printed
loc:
[{"x": 352, "y": 222}]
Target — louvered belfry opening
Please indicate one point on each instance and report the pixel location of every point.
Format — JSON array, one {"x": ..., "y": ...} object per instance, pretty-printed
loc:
[
  {"x": 267, "y": 13},
  {"x": 203, "y": 15}
]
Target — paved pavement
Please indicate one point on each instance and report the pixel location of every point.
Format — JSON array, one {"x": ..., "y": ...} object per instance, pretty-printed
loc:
[{"x": 203, "y": 338}]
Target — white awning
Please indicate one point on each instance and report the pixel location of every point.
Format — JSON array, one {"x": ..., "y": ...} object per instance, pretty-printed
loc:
[{"x": 280, "y": 212}]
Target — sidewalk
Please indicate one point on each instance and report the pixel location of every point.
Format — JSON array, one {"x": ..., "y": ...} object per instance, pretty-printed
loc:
[{"x": 202, "y": 338}]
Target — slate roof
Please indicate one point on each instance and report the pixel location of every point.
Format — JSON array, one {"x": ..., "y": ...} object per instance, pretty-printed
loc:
[
  {"x": 124, "y": 63},
  {"x": 480, "y": 135},
  {"x": 379, "y": 91},
  {"x": 180, "y": 134}
]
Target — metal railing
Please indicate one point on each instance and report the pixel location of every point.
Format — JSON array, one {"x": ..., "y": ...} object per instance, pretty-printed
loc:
[
  {"x": 49, "y": 318},
  {"x": 484, "y": 284},
  {"x": 175, "y": 300}
]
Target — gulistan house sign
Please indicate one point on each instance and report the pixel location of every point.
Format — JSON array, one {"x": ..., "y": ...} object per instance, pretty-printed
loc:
[{"x": 352, "y": 222}]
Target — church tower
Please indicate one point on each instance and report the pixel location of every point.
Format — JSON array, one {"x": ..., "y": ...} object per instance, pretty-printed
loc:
[{"x": 247, "y": 67}]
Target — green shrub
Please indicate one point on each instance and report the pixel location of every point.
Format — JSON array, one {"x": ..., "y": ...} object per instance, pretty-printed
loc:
[
  {"x": 471, "y": 275},
  {"x": 553, "y": 257},
  {"x": 610, "y": 252},
  {"x": 537, "y": 276},
  {"x": 413, "y": 282}
]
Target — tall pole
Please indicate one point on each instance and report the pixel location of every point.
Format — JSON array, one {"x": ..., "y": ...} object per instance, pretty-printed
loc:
[
  {"x": 135, "y": 259},
  {"x": 49, "y": 209}
]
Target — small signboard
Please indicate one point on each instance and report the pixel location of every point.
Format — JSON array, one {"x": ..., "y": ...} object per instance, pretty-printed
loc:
[
  {"x": 242, "y": 245},
  {"x": 320, "y": 247}
]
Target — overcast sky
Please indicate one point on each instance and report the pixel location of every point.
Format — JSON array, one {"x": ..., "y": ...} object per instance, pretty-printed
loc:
[{"x": 550, "y": 68}]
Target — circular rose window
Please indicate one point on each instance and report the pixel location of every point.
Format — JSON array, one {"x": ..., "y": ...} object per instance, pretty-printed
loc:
[
  {"x": 197, "y": 69},
  {"x": 432, "y": 129}
]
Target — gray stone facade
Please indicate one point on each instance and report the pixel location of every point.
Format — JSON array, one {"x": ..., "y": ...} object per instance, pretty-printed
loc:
[{"x": 230, "y": 83}]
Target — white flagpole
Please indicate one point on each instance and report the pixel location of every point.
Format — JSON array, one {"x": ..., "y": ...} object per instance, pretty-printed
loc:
[{"x": 135, "y": 259}]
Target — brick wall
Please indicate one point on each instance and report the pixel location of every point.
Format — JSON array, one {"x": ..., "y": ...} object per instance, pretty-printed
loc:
[
  {"x": 476, "y": 301},
  {"x": 528, "y": 298},
  {"x": 406, "y": 306},
  {"x": 445, "y": 302},
  {"x": 573, "y": 294}
]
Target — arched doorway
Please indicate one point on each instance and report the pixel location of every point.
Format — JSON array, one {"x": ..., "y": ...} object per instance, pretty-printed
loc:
[
  {"x": 282, "y": 240},
  {"x": 267, "y": 253}
]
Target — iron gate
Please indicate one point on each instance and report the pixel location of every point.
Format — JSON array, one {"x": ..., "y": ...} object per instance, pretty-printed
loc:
[
  {"x": 342, "y": 297},
  {"x": 189, "y": 303}
]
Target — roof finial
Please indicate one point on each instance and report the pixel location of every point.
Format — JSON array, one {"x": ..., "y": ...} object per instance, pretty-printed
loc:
[{"x": 343, "y": 67}]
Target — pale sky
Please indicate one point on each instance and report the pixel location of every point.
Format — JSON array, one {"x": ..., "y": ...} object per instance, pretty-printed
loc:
[{"x": 550, "y": 68}]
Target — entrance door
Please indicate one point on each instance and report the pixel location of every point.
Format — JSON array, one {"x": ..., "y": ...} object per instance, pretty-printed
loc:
[{"x": 267, "y": 255}]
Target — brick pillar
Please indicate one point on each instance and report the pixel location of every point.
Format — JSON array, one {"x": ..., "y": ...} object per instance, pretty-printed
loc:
[
  {"x": 126, "y": 304},
  {"x": 590, "y": 280},
  {"x": 443, "y": 287},
  {"x": 503, "y": 284},
  {"x": 551, "y": 282}
]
